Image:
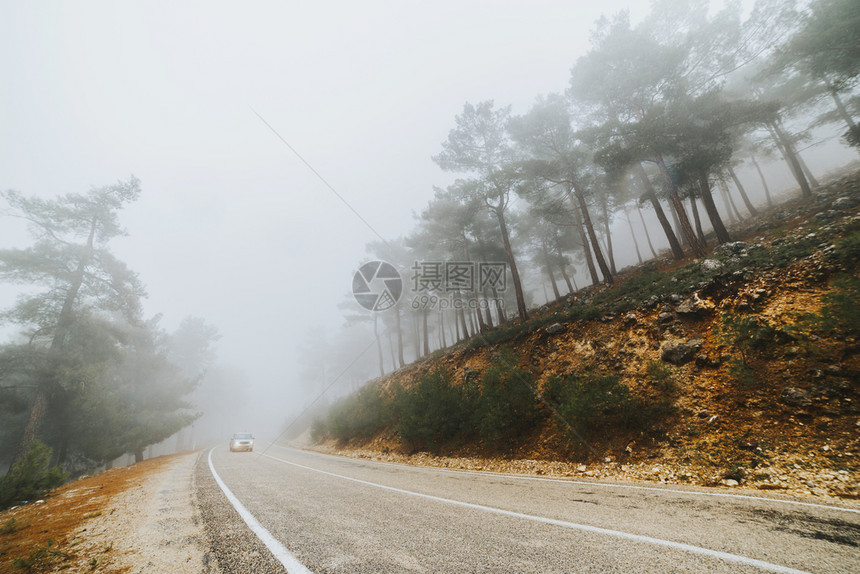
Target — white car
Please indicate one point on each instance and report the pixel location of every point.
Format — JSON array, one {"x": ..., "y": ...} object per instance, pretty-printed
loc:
[{"x": 242, "y": 441}]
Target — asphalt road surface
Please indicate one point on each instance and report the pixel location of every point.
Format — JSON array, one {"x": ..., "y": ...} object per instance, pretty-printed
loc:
[{"x": 296, "y": 511}]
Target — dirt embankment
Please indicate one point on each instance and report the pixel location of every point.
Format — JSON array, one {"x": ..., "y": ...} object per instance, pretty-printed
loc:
[{"x": 780, "y": 411}]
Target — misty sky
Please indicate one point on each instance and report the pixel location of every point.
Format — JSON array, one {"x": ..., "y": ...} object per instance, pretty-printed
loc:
[{"x": 231, "y": 226}]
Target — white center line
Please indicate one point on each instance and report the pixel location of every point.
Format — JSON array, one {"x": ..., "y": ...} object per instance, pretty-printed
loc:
[{"x": 572, "y": 525}]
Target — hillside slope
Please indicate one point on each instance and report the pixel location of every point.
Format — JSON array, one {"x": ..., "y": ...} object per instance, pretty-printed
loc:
[{"x": 741, "y": 368}]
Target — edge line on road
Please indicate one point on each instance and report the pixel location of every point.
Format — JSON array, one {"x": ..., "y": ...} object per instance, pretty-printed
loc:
[
  {"x": 565, "y": 524},
  {"x": 278, "y": 550},
  {"x": 603, "y": 484},
  {"x": 654, "y": 489}
]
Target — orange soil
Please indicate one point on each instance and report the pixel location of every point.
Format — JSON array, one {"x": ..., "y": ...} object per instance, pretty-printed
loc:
[{"x": 47, "y": 535}]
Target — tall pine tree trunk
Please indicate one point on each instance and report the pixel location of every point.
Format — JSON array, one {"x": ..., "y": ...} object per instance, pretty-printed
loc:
[
  {"x": 425, "y": 333},
  {"x": 606, "y": 226},
  {"x": 586, "y": 249},
  {"x": 515, "y": 274},
  {"x": 416, "y": 334},
  {"x": 551, "y": 275},
  {"x": 488, "y": 317},
  {"x": 566, "y": 278},
  {"x": 730, "y": 202},
  {"x": 840, "y": 107},
  {"x": 651, "y": 195},
  {"x": 674, "y": 198},
  {"x": 711, "y": 208},
  {"x": 645, "y": 229},
  {"x": 500, "y": 306},
  {"x": 481, "y": 326},
  {"x": 379, "y": 343},
  {"x": 463, "y": 326},
  {"x": 392, "y": 351},
  {"x": 763, "y": 182},
  {"x": 808, "y": 172},
  {"x": 753, "y": 211},
  {"x": 47, "y": 379},
  {"x": 843, "y": 111},
  {"x": 400, "y": 360},
  {"x": 676, "y": 221},
  {"x": 786, "y": 147},
  {"x": 589, "y": 227},
  {"x": 698, "y": 221},
  {"x": 633, "y": 235}
]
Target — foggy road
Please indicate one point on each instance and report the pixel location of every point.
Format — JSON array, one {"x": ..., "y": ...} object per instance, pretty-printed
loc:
[{"x": 321, "y": 513}]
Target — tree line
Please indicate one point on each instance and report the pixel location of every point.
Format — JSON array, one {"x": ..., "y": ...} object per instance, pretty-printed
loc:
[
  {"x": 88, "y": 378},
  {"x": 657, "y": 118}
]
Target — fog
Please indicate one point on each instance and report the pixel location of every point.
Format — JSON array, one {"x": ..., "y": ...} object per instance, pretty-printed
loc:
[{"x": 273, "y": 142}]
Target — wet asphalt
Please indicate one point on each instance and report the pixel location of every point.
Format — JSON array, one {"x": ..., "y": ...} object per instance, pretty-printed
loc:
[{"x": 353, "y": 516}]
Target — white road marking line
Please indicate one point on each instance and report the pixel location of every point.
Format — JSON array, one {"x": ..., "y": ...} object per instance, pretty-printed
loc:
[
  {"x": 572, "y": 525},
  {"x": 655, "y": 489},
  {"x": 611, "y": 485},
  {"x": 284, "y": 556}
]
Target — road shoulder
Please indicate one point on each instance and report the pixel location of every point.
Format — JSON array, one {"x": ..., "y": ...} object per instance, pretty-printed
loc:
[
  {"x": 234, "y": 547},
  {"x": 140, "y": 518}
]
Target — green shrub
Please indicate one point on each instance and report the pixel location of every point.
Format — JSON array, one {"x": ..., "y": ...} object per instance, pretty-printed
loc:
[
  {"x": 781, "y": 255},
  {"x": 512, "y": 331},
  {"x": 839, "y": 315},
  {"x": 506, "y": 407},
  {"x": 591, "y": 403},
  {"x": 662, "y": 377},
  {"x": 847, "y": 251},
  {"x": 840, "y": 312},
  {"x": 499, "y": 409},
  {"x": 634, "y": 291},
  {"x": 360, "y": 415},
  {"x": 747, "y": 333},
  {"x": 751, "y": 337},
  {"x": 41, "y": 557},
  {"x": 742, "y": 374},
  {"x": 12, "y": 526},
  {"x": 433, "y": 411},
  {"x": 319, "y": 430},
  {"x": 30, "y": 477}
]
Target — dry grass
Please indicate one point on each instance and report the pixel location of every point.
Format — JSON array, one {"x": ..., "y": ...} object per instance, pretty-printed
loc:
[{"x": 48, "y": 536}]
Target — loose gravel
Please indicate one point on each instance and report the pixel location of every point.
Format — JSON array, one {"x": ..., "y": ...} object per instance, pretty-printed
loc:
[
  {"x": 234, "y": 547},
  {"x": 154, "y": 527}
]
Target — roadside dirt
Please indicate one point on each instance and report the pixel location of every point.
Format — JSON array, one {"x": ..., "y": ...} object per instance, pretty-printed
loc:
[
  {"x": 783, "y": 418},
  {"x": 140, "y": 518}
]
